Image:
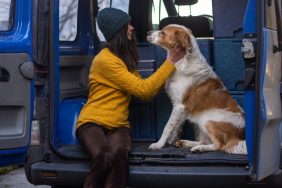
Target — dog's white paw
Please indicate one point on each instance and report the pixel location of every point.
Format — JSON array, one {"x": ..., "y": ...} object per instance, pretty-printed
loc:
[
  {"x": 197, "y": 149},
  {"x": 156, "y": 145}
]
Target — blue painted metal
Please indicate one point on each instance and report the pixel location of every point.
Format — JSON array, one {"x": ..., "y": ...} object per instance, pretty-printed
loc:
[
  {"x": 264, "y": 62},
  {"x": 250, "y": 121},
  {"x": 250, "y": 19},
  {"x": 250, "y": 27},
  {"x": 69, "y": 111},
  {"x": 56, "y": 89},
  {"x": 83, "y": 45},
  {"x": 12, "y": 156},
  {"x": 18, "y": 40}
]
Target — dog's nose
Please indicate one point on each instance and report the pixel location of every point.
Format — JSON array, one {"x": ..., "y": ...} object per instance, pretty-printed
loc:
[{"x": 149, "y": 38}]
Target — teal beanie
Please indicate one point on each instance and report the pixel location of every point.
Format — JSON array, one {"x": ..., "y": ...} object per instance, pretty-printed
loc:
[{"x": 111, "y": 20}]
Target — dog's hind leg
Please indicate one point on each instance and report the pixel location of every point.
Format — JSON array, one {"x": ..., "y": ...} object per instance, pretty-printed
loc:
[
  {"x": 201, "y": 138},
  {"x": 227, "y": 137},
  {"x": 207, "y": 140},
  {"x": 176, "y": 119},
  {"x": 236, "y": 147}
]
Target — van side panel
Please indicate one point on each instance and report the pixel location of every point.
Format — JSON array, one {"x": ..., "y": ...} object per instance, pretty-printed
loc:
[{"x": 16, "y": 84}]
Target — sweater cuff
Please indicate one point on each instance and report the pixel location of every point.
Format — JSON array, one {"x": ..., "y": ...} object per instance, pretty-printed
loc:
[{"x": 168, "y": 66}]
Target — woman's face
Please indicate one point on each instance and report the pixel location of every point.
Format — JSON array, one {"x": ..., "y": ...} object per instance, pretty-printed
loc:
[{"x": 130, "y": 30}]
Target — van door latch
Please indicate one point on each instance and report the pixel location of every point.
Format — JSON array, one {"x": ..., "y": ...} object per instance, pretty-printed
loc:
[
  {"x": 248, "y": 48},
  {"x": 27, "y": 70}
]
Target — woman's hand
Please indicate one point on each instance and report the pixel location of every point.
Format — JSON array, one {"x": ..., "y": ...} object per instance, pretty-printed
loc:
[{"x": 175, "y": 54}]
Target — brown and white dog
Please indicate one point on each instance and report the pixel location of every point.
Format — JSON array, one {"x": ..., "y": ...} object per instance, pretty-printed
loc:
[{"x": 198, "y": 94}]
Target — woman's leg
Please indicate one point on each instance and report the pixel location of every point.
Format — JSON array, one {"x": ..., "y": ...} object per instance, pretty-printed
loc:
[
  {"x": 94, "y": 141},
  {"x": 120, "y": 142}
]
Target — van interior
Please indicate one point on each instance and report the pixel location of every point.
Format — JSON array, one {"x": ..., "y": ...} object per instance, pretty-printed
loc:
[{"x": 219, "y": 32}]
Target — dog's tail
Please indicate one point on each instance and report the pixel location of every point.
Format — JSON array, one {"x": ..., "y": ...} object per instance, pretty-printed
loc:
[{"x": 239, "y": 148}]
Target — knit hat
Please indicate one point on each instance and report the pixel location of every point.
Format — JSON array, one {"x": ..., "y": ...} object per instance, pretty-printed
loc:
[{"x": 111, "y": 20}]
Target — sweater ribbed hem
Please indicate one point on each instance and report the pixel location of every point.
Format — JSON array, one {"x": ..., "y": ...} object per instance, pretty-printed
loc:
[{"x": 108, "y": 119}]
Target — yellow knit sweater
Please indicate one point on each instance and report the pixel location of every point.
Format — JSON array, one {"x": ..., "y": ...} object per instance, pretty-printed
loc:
[{"x": 111, "y": 86}]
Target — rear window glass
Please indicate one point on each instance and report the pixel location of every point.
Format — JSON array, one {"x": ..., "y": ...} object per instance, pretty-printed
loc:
[
  {"x": 6, "y": 15},
  {"x": 68, "y": 11},
  {"x": 202, "y": 7}
]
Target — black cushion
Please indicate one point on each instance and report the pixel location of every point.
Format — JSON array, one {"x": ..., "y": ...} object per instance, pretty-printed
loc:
[{"x": 200, "y": 26}]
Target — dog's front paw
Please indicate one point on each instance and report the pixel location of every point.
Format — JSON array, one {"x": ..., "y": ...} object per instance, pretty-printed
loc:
[
  {"x": 179, "y": 144},
  {"x": 197, "y": 149},
  {"x": 155, "y": 146}
]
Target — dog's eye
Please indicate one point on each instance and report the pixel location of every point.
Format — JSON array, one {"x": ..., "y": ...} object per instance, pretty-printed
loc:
[{"x": 162, "y": 33}]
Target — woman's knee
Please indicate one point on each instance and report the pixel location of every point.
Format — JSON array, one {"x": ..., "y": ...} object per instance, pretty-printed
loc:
[
  {"x": 105, "y": 157},
  {"x": 121, "y": 153}
]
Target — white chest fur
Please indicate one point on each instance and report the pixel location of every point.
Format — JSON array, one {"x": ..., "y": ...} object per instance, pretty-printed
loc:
[{"x": 189, "y": 71}]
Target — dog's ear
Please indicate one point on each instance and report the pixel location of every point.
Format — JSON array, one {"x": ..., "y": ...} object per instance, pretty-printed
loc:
[{"x": 184, "y": 39}]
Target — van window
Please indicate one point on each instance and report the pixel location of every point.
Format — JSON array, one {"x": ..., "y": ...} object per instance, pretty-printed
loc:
[
  {"x": 119, "y": 4},
  {"x": 158, "y": 13},
  {"x": 203, "y": 7},
  {"x": 68, "y": 11},
  {"x": 6, "y": 15}
]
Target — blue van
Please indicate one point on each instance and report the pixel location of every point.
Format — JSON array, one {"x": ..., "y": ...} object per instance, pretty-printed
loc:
[{"x": 46, "y": 49}]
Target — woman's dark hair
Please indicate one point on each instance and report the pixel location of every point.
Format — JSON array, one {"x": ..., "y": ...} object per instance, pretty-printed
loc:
[{"x": 125, "y": 49}]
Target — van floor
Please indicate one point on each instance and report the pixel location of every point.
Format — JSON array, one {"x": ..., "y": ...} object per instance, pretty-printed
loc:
[
  {"x": 167, "y": 155},
  {"x": 174, "y": 155}
]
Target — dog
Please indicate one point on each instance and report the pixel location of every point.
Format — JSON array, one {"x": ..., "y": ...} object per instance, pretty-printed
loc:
[{"x": 198, "y": 95}]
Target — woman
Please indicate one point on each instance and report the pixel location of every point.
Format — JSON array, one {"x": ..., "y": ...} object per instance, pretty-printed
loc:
[{"x": 102, "y": 127}]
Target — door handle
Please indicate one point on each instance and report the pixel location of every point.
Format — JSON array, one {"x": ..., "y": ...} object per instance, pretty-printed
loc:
[{"x": 4, "y": 75}]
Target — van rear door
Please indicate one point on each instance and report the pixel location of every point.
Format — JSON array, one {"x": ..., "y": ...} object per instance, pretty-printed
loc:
[
  {"x": 16, "y": 75},
  {"x": 267, "y": 141}
]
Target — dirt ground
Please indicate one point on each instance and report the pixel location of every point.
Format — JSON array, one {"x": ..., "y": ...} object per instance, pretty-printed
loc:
[{"x": 15, "y": 178}]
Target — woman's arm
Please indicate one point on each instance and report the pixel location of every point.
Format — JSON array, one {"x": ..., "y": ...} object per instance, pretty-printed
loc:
[
  {"x": 117, "y": 73},
  {"x": 113, "y": 71}
]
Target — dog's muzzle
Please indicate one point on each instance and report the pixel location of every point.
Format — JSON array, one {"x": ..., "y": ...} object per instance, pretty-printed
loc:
[{"x": 150, "y": 36}]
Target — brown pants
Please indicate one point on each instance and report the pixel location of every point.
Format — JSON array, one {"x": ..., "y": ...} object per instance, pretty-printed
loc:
[{"x": 108, "y": 150}]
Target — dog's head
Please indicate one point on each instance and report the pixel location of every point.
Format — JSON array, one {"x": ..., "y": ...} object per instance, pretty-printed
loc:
[{"x": 171, "y": 36}]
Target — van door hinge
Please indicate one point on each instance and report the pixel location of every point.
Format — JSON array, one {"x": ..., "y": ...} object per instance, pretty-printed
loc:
[{"x": 248, "y": 48}]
